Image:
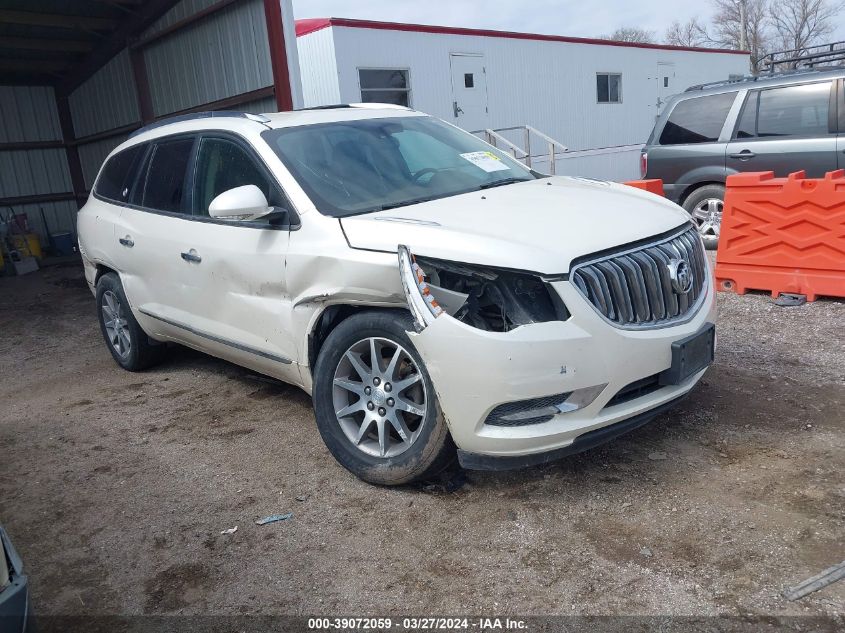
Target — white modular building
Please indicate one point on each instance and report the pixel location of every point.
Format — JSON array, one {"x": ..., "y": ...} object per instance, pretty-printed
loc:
[{"x": 596, "y": 98}]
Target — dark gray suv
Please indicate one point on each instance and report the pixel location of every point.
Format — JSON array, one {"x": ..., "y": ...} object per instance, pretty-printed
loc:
[{"x": 781, "y": 123}]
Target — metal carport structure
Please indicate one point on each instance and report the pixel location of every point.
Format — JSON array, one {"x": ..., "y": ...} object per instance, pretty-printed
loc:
[{"x": 76, "y": 78}]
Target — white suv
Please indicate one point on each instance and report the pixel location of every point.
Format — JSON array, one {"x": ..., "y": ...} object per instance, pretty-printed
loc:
[{"x": 427, "y": 290}]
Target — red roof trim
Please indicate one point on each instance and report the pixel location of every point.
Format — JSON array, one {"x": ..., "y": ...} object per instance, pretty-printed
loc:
[{"x": 309, "y": 25}]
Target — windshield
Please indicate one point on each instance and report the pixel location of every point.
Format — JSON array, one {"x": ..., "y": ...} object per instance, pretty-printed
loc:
[{"x": 352, "y": 167}]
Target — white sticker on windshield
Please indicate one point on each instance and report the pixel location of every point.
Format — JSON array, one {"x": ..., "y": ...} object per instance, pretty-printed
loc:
[{"x": 487, "y": 161}]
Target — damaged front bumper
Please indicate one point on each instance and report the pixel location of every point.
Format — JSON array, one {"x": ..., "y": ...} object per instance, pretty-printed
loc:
[{"x": 477, "y": 373}]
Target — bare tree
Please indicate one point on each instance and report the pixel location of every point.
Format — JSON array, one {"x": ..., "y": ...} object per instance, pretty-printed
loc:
[
  {"x": 631, "y": 34},
  {"x": 690, "y": 33},
  {"x": 802, "y": 23},
  {"x": 744, "y": 25}
]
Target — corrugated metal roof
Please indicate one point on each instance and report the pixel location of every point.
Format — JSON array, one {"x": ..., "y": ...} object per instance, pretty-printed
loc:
[
  {"x": 107, "y": 100},
  {"x": 231, "y": 50},
  {"x": 31, "y": 172},
  {"x": 28, "y": 113},
  {"x": 260, "y": 106},
  {"x": 180, "y": 11}
]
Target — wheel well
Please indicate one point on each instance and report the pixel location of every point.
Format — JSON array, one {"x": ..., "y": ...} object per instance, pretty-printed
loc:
[
  {"x": 102, "y": 270},
  {"x": 688, "y": 191},
  {"x": 330, "y": 318}
]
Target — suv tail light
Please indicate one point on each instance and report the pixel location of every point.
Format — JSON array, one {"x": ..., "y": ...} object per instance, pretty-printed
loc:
[{"x": 643, "y": 164}]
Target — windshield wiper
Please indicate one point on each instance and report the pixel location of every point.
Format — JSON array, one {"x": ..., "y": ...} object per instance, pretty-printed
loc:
[
  {"x": 405, "y": 203},
  {"x": 503, "y": 181}
]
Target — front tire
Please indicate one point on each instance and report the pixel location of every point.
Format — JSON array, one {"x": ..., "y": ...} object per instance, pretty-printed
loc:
[
  {"x": 128, "y": 343},
  {"x": 705, "y": 206},
  {"x": 375, "y": 403}
]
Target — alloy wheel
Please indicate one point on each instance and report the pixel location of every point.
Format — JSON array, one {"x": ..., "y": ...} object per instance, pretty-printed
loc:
[
  {"x": 379, "y": 397},
  {"x": 707, "y": 216},
  {"x": 116, "y": 324}
]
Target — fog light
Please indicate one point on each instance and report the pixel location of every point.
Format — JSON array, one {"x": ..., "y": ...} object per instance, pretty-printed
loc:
[{"x": 539, "y": 410}]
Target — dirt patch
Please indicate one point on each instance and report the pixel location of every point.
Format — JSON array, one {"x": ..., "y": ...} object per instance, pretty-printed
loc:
[{"x": 115, "y": 488}]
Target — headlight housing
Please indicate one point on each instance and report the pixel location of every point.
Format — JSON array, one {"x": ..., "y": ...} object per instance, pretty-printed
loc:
[{"x": 491, "y": 299}]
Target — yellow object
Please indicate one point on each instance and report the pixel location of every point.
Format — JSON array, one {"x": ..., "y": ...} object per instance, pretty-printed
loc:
[{"x": 27, "y": 245}]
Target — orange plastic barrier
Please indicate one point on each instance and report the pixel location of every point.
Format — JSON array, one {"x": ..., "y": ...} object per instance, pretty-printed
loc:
[
  {"x": 783, "y": 235},
  {"x": 654, "y": 185}
]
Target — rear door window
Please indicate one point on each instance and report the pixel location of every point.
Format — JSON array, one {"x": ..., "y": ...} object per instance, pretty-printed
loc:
[
  {"x": 167, "y": 169},
  {"x": 117, "y": 174},
  {"x": 697, "y": 120},
  {"x": 794, "y": 110}
]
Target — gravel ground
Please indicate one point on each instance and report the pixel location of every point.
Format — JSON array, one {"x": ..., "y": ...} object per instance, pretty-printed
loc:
[{"x": 115, "y": 488}]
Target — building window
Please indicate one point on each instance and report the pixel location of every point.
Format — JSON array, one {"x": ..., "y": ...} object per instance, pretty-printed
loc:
[
  {"x": 385, "y": 85},
  {"x": 469, "y": 80},
  {"x": 609, "y": 88}
]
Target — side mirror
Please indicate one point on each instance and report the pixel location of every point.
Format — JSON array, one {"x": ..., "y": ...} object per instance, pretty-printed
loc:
[{"x": 241, "y": 203}]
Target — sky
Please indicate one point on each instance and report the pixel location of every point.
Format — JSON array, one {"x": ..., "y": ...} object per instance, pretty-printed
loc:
[{"x": 581, "y": 18}]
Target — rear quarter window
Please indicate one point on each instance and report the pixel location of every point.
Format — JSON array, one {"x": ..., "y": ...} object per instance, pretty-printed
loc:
[
  {"x": 697, "y": 120},
  {"x": 117, "y": 174}
]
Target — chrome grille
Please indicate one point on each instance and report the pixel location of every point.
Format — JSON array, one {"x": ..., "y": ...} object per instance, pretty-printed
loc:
[{"x": 633, "y": 288}]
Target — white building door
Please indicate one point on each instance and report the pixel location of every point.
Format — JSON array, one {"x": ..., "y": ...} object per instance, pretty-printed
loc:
[
  {"x": 469, "y": 91},
  {"x": 665, "y": 84}
]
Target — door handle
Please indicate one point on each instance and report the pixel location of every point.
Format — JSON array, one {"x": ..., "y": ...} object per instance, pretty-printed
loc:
[
  {"x": 457, "y": 109},
  {"x": 127, "y": 241},
  {"x": 192, "y": 256},
  {"x": 744, "y": 155}
]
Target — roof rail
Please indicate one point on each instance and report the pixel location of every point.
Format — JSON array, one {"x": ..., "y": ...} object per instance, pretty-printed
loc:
[
  {"x": 806, "y": 57},
  {"x": 335, "y": 106},
  {"x": 761, "y": 77},
  {"x": 331, "y": 106},
  {"x": 200, "y": 115}
]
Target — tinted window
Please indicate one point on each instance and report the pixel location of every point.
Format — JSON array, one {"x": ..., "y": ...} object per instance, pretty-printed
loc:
[
  {"x": 164, "y": 187},
  {"x": 115, "y": 178},
  {"x": 794, "y": 110},
  {"x": 697, "y": 120},
  {"x": 384, "y": 86},
  {"x": 608, "y": 88},
  {"x": 223, "y": 165},
  {"x": 747, "y": 126}
]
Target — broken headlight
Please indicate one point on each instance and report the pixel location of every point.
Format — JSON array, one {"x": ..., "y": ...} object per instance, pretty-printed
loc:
[{"x": 491, "y": 299}]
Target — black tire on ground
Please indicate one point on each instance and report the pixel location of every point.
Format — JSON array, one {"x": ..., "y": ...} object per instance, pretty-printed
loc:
[
  {"x": 431, "y": 452},
  {"x": 141, "y": 353},
  {"x": 699, "y": 196}
]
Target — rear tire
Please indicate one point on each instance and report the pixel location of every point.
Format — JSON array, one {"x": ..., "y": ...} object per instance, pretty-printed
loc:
[
  {"x": 392, "y": 431},
  {"x": 705, "y": 208},
  {"x": 128, "y": 343}
]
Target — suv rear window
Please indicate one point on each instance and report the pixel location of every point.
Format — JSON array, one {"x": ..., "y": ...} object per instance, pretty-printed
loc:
[
  {"x": 164, "y": 186},
  {"x": 114, "y": 181},
  {"x": 697, "y": 120}
]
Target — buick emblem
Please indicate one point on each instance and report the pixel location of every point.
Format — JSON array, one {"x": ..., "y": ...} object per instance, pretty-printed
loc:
[
  {"x": 378, "y": 397},
  {"x": 681, "y": 276}
]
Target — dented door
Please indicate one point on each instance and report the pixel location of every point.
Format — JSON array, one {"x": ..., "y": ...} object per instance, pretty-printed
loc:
[{"x": 233, "y": 284}]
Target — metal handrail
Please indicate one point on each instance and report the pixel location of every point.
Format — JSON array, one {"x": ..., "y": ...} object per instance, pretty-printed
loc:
[{"x": 493, "y": 136}]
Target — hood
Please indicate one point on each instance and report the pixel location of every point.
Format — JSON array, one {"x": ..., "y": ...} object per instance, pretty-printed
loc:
[{"x": 539, "y": 225}]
